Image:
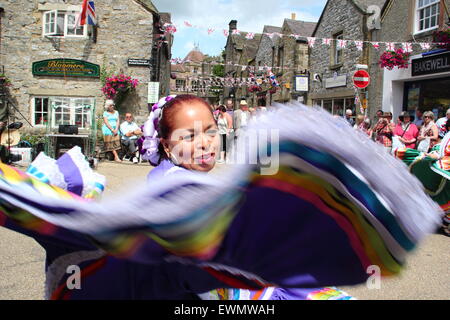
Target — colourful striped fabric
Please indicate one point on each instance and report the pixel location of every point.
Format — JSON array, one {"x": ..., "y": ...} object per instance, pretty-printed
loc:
[{"x": 322, "y": 219}]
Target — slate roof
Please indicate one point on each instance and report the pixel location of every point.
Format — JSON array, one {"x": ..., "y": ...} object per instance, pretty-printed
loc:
[{"x": 303, "y": 28}]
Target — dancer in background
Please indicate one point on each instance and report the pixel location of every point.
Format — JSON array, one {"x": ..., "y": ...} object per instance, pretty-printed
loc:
[{"x": 433, "y": 170}]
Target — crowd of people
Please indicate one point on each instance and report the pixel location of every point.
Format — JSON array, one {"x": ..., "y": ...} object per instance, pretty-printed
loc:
[{"x": 421, "y": 132}]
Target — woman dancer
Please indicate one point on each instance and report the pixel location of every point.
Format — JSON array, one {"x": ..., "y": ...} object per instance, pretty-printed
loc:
[{"x": 189, "y": 233}]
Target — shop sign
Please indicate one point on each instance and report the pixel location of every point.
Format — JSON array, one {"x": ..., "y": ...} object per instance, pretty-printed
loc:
[
  {"x": 431, "y": 64},
  {"x": 301, "y": 83},
  {"x": 153, "y": 92},
  {"x": 139, "y": 62},
  {"x": 339, "y": 81},
  {"x": 65, "y": 68}
]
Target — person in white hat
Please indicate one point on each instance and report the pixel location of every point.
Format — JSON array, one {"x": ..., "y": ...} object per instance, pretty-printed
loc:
[{"x": 241, "y": 118}]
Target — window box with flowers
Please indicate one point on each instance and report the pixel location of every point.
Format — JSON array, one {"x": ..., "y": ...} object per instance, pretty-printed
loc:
[
  {"x": 391, "y": 59},
  {"x": 118, "y": 86}
]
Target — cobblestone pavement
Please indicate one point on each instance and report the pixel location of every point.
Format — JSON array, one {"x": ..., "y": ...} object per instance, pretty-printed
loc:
[{"x": 22, "y": 260}]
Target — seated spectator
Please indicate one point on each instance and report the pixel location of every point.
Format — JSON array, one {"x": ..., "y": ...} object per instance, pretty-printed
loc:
[
  {"x": 441, "y": 124},
  {"x": 130, "y": 133}
]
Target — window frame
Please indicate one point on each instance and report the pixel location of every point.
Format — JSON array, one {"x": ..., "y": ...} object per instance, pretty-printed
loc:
[
  {"x": 336, "y": 37},
  {"x": 45, "y": 23},
  {"x": 51, "y": 112},
  {"x": 417, "y": 16},
  {"x": 64, "y": 33}
]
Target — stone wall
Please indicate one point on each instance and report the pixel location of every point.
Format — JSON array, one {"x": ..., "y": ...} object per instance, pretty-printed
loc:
[
  {"x": 339, "y": 16},
  {"x": 124, "y": 31}
]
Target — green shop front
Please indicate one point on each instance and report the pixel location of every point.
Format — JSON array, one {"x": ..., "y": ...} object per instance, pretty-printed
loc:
[{"x": 65, "y": 104}]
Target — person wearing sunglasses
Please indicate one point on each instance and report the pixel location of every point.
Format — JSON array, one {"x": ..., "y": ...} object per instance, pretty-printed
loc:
[{"x": 429, "y": 130}]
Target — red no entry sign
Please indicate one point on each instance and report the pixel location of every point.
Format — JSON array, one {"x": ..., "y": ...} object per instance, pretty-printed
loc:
[{"x": 361, "y": 79}]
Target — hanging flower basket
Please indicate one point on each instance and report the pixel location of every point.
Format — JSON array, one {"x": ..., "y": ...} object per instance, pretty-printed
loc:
[
  {"x": 391, "y": 59},
  {"x": 254, "y": 88},
  {"x": 442, "y": 38},
  {"x": 273, "y": 90},
  {"x": 118, "y": 85}
]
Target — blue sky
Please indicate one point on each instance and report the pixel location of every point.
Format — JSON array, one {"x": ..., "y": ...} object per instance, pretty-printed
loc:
[{"x": 251, "y": 16}]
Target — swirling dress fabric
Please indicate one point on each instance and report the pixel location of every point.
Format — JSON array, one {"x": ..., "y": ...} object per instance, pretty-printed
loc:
[
  {"x": 433, "y": 174},
  {"x": 333, "y": 208}
]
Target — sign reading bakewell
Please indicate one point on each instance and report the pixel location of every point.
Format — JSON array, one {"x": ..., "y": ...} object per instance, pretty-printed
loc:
[{"x": 361, "y": 79}]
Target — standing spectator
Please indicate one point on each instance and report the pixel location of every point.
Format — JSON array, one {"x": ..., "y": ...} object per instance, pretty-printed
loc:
[
  {"x": 348, "y": 117},
  {"x": 406, "y": 131},
  {"x": 384, "y": 130},
  {"x": 363, "y": 124},
  {"x": 429, "y": 130},
  {"x": 419, "y": 121},
  {"x": 130, "y": 133},
  {"x": 230, "y": 107},
  {"x": 110, "y": 129},
  {"x": 441, "y": 124},
  {"x": 241, "y": 118},
  {"x": 225, "y": 126}
]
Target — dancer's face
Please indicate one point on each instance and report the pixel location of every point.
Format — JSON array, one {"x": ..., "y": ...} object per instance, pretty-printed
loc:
[{"x": 193, "y": 144}]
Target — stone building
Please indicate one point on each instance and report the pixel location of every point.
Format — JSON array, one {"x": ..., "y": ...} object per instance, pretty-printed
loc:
[
  {"x": 43, "y": 34},
  {"x": 425, "y": 84},
  {"x": 292, "y": 59},
  {"x": 193, "y": 76},
  {"x": 332, "y": 66},
  {"x": 238, "y": 50},
  {"x": 266, "y": 56}
]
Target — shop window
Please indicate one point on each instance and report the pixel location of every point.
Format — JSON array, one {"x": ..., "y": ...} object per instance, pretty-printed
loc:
[
  {"x": 62, "y": 24},
  {"x": 64, "y": 110},
  {"x": 427, "y": 15},
  {"x": 40, "y": 111},
  {"x": 328, "y": 105},
  {"x": 427, "y": 95}
]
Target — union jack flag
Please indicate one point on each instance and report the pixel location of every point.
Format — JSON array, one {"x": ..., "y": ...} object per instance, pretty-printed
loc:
[
  {"x": 425, "y": 45},
  {"x": 250, "y": 35},
  {"x": 359, "y": 45},
  {"x": 407, "y": 47},
  {"x": 210, "y": 31},
  {"x": 376, "y": 45},
  {"x": 87, "y": 11},
  {"x": 390, "y": 46},
  {"x": 311, "y": 41},
  {"x": 236, "y": 31},
  {"x": 187, "y": 24},
  {"x": 226, "y": 33},
  {"x": 342, "y": 44},
  {"x": 326, "y": 41}
]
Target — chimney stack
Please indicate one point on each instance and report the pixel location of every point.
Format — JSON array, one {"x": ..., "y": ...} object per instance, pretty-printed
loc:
[
  {"x": 233, "y": 25},
  {"x": 293, "y": 16}
]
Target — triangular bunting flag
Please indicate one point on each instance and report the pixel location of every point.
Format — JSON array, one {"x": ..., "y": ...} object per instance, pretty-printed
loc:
[{"x": 311, "y": 42}]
